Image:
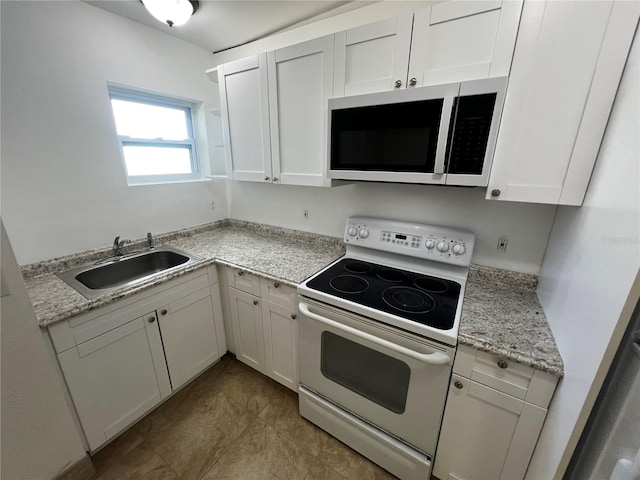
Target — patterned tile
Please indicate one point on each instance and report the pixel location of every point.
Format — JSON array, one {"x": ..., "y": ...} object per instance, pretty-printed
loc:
[
  {"x": 232, "y": 422},
  {"x": 260, "y": 453}
]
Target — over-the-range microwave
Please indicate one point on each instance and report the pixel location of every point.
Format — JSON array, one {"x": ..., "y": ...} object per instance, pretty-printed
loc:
[{"x": 443, "y": 134}]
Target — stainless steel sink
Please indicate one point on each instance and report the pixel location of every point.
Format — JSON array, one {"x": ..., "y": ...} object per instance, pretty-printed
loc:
[{"x": 95, "y": 280}]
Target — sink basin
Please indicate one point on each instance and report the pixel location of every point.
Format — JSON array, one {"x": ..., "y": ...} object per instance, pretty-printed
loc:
[{"x": 94, "y": 280}]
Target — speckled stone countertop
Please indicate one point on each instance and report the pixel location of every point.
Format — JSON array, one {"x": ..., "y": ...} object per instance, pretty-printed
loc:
[
  {"x": 501, "y": 312},
  {"x": 279, "y": 254}
]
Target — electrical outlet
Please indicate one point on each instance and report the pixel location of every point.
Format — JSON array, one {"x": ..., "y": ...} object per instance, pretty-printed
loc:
[
  {"x": 213, "y": 205},
  {"x": 502, "y": 243},
  {"x": 306, "y": 214}
]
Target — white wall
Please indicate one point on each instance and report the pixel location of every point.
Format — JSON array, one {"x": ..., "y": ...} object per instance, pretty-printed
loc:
[
  {"x": 526, "y": 225},
  {"x": 63, "y": 184},
  {"x": 588, "y": 271},
  {"x": 39, "y": 437}
]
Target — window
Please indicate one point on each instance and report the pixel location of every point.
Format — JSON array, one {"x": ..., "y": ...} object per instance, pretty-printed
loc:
[{"x": 156, "y": 137}]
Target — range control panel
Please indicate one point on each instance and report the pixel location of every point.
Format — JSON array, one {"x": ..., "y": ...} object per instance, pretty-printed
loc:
[{"x": 442, "y": 244}]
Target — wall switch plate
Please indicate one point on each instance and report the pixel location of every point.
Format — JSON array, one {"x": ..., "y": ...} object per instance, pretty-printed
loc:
[
  {"x": 502, "y": 243},
  {"x": 306, "y": 214}
]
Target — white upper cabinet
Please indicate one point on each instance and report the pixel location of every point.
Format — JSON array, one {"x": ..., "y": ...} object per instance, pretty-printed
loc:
[
  {"x": 300, "y": 83},
  {"x": 566, "y": 69},
  {"x": 463, "y": 40},
  {"x": 373, "y": 58},
  {"x": 446, "y": 43},
  {"x": 244, "y": 101}
]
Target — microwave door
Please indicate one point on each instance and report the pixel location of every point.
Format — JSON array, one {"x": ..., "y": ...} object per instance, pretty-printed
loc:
[{"x": 397, "y": 136}]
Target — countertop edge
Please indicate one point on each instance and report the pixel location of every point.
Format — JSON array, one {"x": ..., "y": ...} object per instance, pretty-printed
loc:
[{"x": 537, "y": 364}]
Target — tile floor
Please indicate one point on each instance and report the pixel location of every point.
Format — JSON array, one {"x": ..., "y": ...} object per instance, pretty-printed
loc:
[{"x": 230, "y": 423}]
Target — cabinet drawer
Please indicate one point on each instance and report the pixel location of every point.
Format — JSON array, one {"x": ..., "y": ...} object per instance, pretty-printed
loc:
[
  {"x": 277, "y": 292},
  {"x": 507, "y": 376},
  {"x": 244, "y": 281}
]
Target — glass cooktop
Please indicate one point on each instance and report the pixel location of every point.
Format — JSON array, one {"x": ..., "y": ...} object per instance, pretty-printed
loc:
[{"x": 420, "y": 298}]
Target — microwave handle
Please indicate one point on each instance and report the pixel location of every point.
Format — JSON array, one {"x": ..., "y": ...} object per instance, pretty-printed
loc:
[
  {"x": 436, "y": 358},
  {"x": 443, "y": 133}
]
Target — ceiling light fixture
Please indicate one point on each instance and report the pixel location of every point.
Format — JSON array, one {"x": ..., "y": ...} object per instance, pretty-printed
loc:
[{"x": 171, "y": 12}]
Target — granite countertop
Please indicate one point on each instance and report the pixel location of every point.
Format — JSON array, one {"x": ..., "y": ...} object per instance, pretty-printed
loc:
[{"x": 501, "y": 312}]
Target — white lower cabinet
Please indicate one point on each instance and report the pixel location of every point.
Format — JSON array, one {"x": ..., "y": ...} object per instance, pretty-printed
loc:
[
  {"x": 116, "y": 377},
  {"x": 122, "y": 360},
  {"x": 281, "y": 343},
  {"x": 493, "y": 417},
  {"x": 246, "y": 318},
  {"x": 265, "y": 325},
  {"x": 189, "y": 333}
]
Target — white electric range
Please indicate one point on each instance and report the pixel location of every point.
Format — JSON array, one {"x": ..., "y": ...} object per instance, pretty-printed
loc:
[{"x": 378, "y": 331}]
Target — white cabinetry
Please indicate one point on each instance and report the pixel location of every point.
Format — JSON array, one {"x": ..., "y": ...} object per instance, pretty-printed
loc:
[
  {"x": 567, "y": 65},
  {"x": 300, "y": 83},
  {"x": 448, "y": 42},
  {"x": 265, "y": 325},
  {"x": 189, "y": 333},
  {"x": 274, "y": 113},
  {"x": 372, "y": 58},
  {"x": 123, "y": 359},
  {"x": 463, "y": 40},
  {"x": 494, "y": 413},
  {"x": 116, "y": 377},
  {"x": 244, "y": 101},
  {"x": 246, "y": 318}
]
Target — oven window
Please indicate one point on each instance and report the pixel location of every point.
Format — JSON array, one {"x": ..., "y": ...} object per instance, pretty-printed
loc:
[
  {"x": 374, "y": 375},
  {"x": 400, "y": 137}
]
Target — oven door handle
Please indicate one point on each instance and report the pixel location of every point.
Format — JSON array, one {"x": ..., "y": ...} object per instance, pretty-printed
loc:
[{"x": 435, "y": 358}]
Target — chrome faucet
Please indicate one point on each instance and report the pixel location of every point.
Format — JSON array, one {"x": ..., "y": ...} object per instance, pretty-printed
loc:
[
  {"x": 117, "y": 246},
  {"x": 150, "y": 243}
]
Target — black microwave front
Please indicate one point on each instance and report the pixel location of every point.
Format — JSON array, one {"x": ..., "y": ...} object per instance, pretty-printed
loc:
[{"x": 443, "y": 134}]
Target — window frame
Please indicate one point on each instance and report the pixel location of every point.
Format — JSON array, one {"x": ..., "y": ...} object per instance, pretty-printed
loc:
[{"x": 191, "y": 143}]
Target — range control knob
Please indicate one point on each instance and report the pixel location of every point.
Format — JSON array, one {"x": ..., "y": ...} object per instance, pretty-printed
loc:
[
  {"x": 364, "y": 233},
  {"x": 352, "y": 231},
  {"x": 458, "y": 249},
  {"x": 442, "y": 246},
  {"x": 430, "y": 244}
]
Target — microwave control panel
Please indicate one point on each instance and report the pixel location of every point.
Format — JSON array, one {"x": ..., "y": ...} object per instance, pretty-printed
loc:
[{"x": 442, "y": 244}]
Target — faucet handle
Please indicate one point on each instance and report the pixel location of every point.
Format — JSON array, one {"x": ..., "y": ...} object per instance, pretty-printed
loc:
[{"x": 150, "y": 242}]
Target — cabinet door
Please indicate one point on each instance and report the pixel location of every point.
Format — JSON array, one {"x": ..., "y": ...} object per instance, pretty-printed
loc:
[
  {"x": 246, "y": 317},
  {"x": 372, "y": 58},
  {"x": 189, "y": 336},
  {"x": 463, "y": 40},
  {"x": 300, "y": 83},
  {"x": 566, "y": 69},
  {"x": 116, "y": 378},
  {"x": 281, "y": 343},
  {"x": 245, "y": 117},
  {"x": 485, "y": 433}
]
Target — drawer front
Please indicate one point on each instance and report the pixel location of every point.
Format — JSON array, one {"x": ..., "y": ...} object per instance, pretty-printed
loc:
[
  {"x": 276, "y": 292},
  {"x": 244, "y": 281},
  {"x": 503, "y": 375},
  {"x": 521, "y": 381}
]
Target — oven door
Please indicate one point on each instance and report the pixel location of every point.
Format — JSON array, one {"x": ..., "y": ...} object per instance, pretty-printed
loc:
[{"x": 390, "y": 378}]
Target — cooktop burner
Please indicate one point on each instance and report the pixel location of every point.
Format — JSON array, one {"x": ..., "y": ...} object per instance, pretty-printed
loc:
[
  {"x": 420, "y": 298},
  {"x": 408, "y": 300},
  {"x": 349, "y": 284}
]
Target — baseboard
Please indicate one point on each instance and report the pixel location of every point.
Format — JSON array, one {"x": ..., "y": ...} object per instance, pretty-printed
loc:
[{"x": 81, "y": 470}]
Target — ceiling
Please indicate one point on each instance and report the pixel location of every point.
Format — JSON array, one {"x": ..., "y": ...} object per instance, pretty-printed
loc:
[{"x": 220, "y": 25}]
